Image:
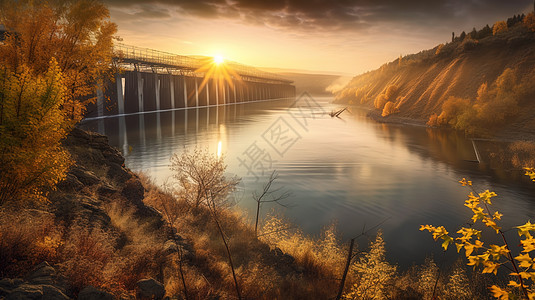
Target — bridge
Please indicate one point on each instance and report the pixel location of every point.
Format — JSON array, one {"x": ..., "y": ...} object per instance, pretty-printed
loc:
[{"x": 152, "y": 80}]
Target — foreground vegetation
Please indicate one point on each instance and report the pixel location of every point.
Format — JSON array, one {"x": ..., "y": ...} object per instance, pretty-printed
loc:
[{"x": 119, "y": 241}]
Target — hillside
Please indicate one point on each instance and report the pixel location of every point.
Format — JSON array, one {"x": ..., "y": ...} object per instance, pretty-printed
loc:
[{"x": 479, "y": 82}]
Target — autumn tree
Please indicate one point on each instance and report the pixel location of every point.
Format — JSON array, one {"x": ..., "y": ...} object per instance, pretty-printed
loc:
[
  {"x": 498, "y": 27},
  {"x": 389, "y": 109},
  {"x": 78, "y": 34},
  {"x": 529, "y": 21},
  {"x": 32, "y": 123},
  {"x": 53, "y": 54}
]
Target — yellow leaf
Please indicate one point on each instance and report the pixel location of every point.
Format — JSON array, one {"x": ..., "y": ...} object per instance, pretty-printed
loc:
[
  {"x": 447, "y": 241},
  {"x": 490, "y": 267},
  {"x": 499, "y": 293},
  {"x": 528, "y": 244},
  {"x": 525, "y": 229},
  {"x": 525, "y": 260}
]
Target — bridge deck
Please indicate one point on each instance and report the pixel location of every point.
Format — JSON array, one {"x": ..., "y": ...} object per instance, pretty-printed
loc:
[{"x": 146, "y": 57}]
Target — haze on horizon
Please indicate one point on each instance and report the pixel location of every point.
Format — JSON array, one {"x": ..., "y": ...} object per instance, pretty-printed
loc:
[{"x": 340, "y": 36}]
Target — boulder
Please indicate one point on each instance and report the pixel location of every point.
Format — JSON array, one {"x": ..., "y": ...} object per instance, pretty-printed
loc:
[
  {"x": 26, "y": 292},
  {"x": 51, "y": 292},
  {"x": 134, "y": 192},
  {"x": 84, "y": 176},
  {"x": 106, "y": 190},
  {"x": 70, "y": 183},
  {"x": 150, "y": 289},
  {"x": 91, "y": 293},
  {"x": 41, "y": 274}
]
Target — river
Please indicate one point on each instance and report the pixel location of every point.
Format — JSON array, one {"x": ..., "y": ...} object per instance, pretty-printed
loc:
[{"x": 350, "y": 170}]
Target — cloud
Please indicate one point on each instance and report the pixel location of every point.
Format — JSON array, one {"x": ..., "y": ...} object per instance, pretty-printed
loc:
[{"x": 325, "y": 15}]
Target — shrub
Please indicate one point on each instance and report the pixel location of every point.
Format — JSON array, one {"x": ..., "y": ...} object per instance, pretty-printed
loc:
[
  {"x": 86, "y": 252},
  {"x": 529, "y": 21},
  {"x": 500, "y": 26},
  {"x": 391, "y": 91},
  {"x": 433, "y": 120},
  {"x": 389, "y": 109},
  {"x": 380, "y": 101},
  {"x": 439, "y": 49},
  {"x": 321, "y": 256},
  {"x": 200, "y": 178},
  {"x": 491, "y": 256},
  {"x": 453, "y": 111},
  {"x": 27, "y": 237},
  {"x": 375, "y": 276}
]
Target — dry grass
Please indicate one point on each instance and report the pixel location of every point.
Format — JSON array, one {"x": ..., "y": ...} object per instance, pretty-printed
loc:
[
  {"x": 113, "y": 258},
  {"x": 27, "y": 237},
  {"x": 304, "y": 268}
]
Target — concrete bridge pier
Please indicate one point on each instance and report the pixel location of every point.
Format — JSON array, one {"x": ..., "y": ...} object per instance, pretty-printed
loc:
[
  {"x": 185, "y": 92},
  {"x": 157, "y": 93},
  {"x": 234, "y": 90},
  {"x": 172, "y": 92},
  {"x": 140, "y": 83},
  {"x": 100, "y": 102},
  {"x": 196, "y": 92},
  {"x": 135, "y": 91},
  {"x": 120, "y": 93}
]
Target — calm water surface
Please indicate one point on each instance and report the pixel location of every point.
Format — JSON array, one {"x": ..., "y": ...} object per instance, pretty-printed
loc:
[{"x": 352, "y": 170}]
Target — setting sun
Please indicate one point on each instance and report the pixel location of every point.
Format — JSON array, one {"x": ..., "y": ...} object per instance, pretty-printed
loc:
[{"x": 218, "y": 59}]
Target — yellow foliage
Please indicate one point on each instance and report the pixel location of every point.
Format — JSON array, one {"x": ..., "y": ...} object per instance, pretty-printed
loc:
[
  {"x": 78, "y": 34},
  {"x": 529, "y": 21},
  {"x": 388, "y": 95},
  {"x": 433, "y": 120},
  {"x": 374, "y": 274},
  {"x": 52, "y": 56},
  {"x": 32, "y": 124},
  {"x": 389, "y": 109},
  {"x": 493, "y": 256},
  {"x": 498, "y": 27},
  {"x": 380, "y": 101},
  {"x": 390, "y": 92},
  {"x": 439, "y": 49}
]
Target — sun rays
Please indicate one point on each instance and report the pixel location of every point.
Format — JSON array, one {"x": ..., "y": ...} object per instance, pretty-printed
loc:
[{"x": 221, "y": 71}]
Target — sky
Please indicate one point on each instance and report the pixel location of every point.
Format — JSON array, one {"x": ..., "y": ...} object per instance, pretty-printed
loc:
[{"x": 328, "y": 36}]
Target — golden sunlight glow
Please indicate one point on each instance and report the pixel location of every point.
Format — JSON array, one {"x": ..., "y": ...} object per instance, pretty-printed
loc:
[
  {"x": 218, "y": 59},
  {"x": 222, "y": 74},
  {"x": 219, "y": 149}
]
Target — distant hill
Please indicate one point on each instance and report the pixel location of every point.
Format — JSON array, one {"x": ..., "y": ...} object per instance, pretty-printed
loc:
[
  {"x": 314, "y": 82},
  {"x": 480, "y": 82}
]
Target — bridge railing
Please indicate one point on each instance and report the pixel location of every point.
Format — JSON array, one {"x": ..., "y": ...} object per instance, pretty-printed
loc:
[
  {"x": 165, "y": 59},
  {"x": 151, "y": 56}
]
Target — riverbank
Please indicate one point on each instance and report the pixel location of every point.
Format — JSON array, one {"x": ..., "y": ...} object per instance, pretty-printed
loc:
[{"x": 515, "y": 132}]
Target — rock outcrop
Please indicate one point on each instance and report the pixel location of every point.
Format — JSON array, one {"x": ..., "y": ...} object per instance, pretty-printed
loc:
[{"x": 40, "y": 283}]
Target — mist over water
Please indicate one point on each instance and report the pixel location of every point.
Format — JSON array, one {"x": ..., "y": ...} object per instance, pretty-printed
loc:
[{"x": 349, "y": 170}]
